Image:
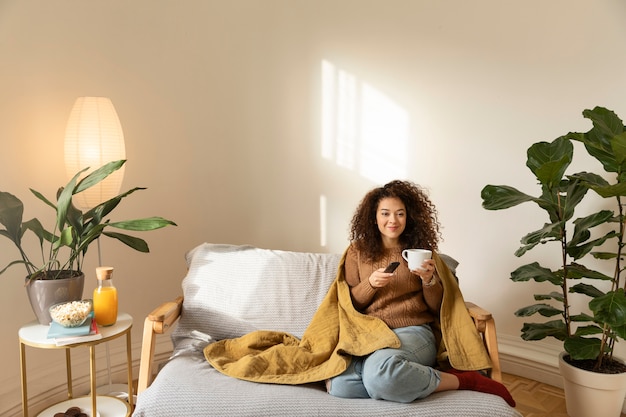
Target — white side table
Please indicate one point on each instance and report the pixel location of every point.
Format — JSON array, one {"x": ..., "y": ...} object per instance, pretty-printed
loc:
[{"x": 34, "y": 335}]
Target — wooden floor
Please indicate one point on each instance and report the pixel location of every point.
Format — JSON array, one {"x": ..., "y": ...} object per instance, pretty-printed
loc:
[{"x": 535, "y": 399}]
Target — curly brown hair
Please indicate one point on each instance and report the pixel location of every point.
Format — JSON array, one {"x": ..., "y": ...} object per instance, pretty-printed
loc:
[{"x": 422, "y": 226}]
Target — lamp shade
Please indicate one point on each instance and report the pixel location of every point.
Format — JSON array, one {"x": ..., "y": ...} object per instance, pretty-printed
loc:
[{"x": 94, "y": 137}]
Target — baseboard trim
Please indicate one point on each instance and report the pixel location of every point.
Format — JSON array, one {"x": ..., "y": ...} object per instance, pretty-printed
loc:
[{"x": 532, "y": 360}]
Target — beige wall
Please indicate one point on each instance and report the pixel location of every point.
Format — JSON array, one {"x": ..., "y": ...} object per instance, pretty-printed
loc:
[{"x": 221, "y": 102}]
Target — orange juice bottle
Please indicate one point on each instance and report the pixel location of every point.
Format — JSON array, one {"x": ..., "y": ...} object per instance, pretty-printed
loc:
[{"x": 105, "y": 297}]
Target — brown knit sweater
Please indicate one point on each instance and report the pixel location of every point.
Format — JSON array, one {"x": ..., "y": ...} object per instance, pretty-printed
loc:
[{"x": 403, "y": 302}]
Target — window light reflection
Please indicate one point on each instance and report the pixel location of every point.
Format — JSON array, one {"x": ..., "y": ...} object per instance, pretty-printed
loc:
[{"x": 363, "y": 130}]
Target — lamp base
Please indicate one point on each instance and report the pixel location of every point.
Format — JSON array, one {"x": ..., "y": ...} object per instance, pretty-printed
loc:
[{"x": 119, "y": 391}]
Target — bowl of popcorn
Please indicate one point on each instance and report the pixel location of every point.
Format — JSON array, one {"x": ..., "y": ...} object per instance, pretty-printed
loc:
[{"x": 71, "y": 313}]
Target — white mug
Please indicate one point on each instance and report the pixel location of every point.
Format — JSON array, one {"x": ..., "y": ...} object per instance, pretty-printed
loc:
[{"x": 415, "y": 257}]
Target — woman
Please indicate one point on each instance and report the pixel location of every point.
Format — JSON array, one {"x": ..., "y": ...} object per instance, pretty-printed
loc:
[{"x": 388, "y": 220}]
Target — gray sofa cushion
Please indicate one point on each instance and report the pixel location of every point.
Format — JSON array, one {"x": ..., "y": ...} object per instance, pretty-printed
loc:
[{"x": 189, "y": 386}]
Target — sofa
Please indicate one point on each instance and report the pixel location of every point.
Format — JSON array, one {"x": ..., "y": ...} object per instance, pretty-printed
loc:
[{"x": 233, "y": 290}]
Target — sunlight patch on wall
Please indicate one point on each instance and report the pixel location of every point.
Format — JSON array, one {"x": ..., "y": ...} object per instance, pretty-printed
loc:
[
  {"x": 323, "y": 223},
  {"x": 363, "y": 130}
]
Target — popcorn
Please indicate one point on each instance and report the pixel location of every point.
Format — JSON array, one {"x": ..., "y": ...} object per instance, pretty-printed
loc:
[{"x": 71, "y": 314}]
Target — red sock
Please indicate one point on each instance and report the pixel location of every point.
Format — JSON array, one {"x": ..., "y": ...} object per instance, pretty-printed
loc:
[{"x": 474, "y": 381}]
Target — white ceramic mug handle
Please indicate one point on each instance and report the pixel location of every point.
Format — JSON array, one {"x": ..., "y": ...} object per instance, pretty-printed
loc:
[{"x": 405, "y": 256}]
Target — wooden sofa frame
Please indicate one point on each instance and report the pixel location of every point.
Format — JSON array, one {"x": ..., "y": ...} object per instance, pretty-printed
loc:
[{"x": 160, "y": 320}]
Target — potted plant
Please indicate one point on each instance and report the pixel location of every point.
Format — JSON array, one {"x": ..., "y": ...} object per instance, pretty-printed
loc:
[
  {"x": 59, "y": 262},
  {"x": 588, "y": 335}
]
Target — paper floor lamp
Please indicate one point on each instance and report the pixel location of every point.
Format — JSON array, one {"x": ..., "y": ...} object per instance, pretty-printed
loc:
[{"x": 93, "y": 137}]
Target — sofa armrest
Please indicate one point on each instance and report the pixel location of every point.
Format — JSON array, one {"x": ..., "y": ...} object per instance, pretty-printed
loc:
[
  {"x": 486, "y": 326},
  {"x": 159, "y": 321}
]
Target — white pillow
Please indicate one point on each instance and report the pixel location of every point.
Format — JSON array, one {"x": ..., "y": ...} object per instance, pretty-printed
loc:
[{"x": 232, "y": 290}]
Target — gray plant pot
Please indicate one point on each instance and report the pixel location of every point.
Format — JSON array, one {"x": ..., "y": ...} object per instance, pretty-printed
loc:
[{"x": 44, "y": 293}]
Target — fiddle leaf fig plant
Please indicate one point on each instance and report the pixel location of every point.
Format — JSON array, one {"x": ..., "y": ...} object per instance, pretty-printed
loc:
[
  {"x": 63, "y": 249},
  {"x": 590, "y": 334}
]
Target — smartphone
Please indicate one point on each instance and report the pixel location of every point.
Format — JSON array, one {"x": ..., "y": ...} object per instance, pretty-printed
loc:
[{"x": 391, "y": 267}]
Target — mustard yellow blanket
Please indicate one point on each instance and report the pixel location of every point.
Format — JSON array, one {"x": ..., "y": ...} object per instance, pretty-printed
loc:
[{"x": 336, "y": 333}]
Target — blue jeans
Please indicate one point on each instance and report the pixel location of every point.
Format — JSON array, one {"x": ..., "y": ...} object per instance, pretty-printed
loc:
[{"x": 402, "y": 375}]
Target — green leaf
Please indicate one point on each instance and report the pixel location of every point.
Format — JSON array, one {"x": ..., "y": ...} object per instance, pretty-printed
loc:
[
  {"x": 65, "y": 239},
  {"x": 498, "y": 197},
  {"x": 11, "y": 212},
  {"x": 97, "y": 213},
  {"x": 42, "y": 198},
  {"x": 590, "y": 179},
  {"x": 546, "y": 233},
  {"x": 552, "y": 296},
  {"x": 149, "y": 223},
  {"x": 582, "y": 348},
  {"x": 549, "y": 161},
  {"x": 605, "y": 121},
  {"x": 537, "y": 273},
  {"x": 64, "y": 200},
  {"x": 35, "y": 226},
  {"x": 586, "y": 289},
  {"x": 601, "y": 185},
  {"x": 588, "y": 330},
  {"x": 579, "y": 251},
  {"x": 620, "y": 330},
  {"x": 585, "y": 223},
  {"x": 610, "y": 309},
  {"x": 543, "y": 309},
  {"x": 599, "y": 147},
  {"x": 618, "y": 144},
  {"x": 551, "y": 200},
  {"x": 134, "y": 242},
  {"x": 577, "y": 271},
  {"x": 574, "y": 193},
  {"x": 75, "y": 219},
  {"x": 613, "y": 190},
  {"x": 579, "y": 318},
  {"x": 90, "y": 233},
  {"x": 98, "y": 175},
  {"x": 604, "y": 255},
  {"x": 539, "y": 331},
  {"x": 523, "y": 249},
  {"x": 549, "y": 232},
  {"x": 605, "y": 140},
  {"x": 10, "y": 265}
]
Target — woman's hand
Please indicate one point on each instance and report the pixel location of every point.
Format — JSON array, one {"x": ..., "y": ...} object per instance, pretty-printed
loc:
[
  {"x": 427, "y": 272},
  {"x": 380, "y": 278}
]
